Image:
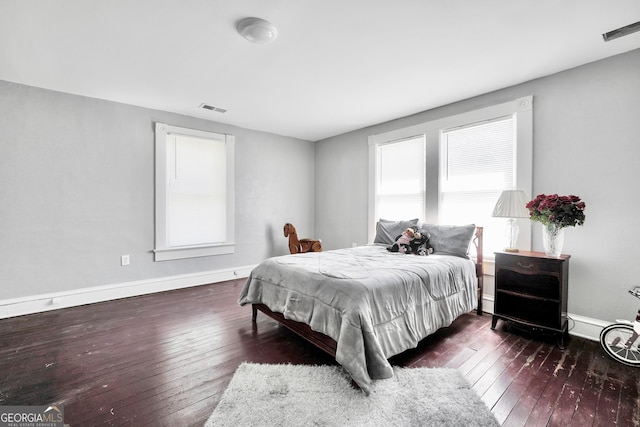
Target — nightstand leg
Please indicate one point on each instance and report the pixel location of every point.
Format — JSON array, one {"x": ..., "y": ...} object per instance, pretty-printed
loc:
[
  {"x": 494, "y": 322},
  {"x": 560, "y": 340}
]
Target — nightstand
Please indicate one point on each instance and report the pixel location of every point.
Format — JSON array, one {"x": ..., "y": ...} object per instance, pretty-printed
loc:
[{"x": 531, "y": 289}]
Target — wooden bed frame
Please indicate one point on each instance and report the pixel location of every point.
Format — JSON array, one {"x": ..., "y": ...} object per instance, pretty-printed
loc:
[{"x": 328, "y": 344}]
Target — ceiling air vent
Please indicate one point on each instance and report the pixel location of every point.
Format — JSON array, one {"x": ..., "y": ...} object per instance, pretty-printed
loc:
[
  {"x": 212, "y": 108},
  {"x": 622, "y": 31}
]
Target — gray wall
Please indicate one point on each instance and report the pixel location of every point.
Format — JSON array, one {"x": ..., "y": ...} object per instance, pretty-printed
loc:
[
  {"x": 77, "y": 191},
  {"x": 77, "y": 182},
  {"x": 586, "y": 133}
]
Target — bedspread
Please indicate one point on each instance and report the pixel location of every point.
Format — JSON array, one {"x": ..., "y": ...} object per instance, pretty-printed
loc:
[{"x": 373, "y": 303}]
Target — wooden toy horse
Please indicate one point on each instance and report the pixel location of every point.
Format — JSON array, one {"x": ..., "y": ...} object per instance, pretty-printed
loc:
[{"x": 300, "y": 245}]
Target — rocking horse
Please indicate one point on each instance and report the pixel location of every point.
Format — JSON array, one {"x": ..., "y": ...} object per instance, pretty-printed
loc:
[{"x": 300, "y": 245}]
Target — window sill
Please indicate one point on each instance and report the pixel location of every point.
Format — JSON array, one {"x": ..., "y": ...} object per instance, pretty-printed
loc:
[{"x": 182, "y": 252}]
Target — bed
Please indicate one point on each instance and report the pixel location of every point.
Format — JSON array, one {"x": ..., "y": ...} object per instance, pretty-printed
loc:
[{"x": 365, "y": 304}]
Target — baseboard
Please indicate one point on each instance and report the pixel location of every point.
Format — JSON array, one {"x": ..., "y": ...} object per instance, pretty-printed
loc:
[
  {"x": 54, "y": 301},
  {"x": 579, "y": 326},
  {"x": 586, "y": 327}
]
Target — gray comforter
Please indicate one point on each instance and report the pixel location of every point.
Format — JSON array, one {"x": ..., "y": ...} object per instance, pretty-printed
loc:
[{"x": 373, "y": 303}]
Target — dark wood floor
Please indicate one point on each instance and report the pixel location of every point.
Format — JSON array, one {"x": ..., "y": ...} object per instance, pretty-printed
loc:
[{"x": 165, "y": 359}]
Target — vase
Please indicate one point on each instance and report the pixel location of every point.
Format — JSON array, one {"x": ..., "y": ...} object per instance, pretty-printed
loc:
[{"x": 552, "y": 239}]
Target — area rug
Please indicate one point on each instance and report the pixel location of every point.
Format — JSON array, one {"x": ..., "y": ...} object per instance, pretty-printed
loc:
[{"x": 302, "y": 395}]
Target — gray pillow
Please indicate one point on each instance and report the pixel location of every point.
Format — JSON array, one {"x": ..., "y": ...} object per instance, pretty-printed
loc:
[
  {"x": 450, "y": 239},
  {"x": 387, "y": 231}
]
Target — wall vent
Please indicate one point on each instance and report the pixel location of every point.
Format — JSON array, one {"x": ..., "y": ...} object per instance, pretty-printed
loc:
[
  {"x": 622, "y": 31},
  {"x": 212, "y": 108}
]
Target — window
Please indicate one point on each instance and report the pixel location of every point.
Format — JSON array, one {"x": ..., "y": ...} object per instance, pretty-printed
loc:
[
  {"x": 400, "y": 179},
  {"x": 194, "y": 193},
  {"x": 477, "y": 162},
  {"x": 469, "y": 159}
]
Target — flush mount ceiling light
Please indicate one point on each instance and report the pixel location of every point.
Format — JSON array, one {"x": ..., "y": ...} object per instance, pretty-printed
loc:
[
  {"x": 257, "y": 30},
  {"x": 622, "y": 31}
]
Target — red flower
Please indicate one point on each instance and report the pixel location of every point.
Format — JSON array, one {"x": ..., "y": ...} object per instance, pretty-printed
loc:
[{"x": 564, "y": 211}]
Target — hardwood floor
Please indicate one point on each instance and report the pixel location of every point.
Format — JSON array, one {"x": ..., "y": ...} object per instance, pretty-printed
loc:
[{"x": 165, "y": 359}]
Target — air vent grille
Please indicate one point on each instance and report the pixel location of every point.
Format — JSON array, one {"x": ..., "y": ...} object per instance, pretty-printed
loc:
[
  {"x": 622, "y": 31},
  {"x": 212, "y": 108}
]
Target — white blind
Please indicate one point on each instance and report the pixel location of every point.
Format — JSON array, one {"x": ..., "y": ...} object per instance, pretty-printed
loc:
[
  {"x": 196, "y": 191},
  {"x": 401, "y": 179},
  {"x": 477, "y": 162}
]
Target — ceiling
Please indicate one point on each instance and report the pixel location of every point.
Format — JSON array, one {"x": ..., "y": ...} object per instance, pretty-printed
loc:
[{"x": 336, "y": 66}]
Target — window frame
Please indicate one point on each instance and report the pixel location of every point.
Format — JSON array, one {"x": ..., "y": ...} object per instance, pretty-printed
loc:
[
  {"x": 521, "y": 108},
  {"x": 163, "y": 251}
]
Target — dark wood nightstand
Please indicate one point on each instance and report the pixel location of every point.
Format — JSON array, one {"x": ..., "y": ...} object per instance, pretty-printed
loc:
[{"x": 531, "y": 289}]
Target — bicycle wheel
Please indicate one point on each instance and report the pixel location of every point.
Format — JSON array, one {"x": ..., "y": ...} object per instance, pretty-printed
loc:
[{"x": 614, "y": 338}]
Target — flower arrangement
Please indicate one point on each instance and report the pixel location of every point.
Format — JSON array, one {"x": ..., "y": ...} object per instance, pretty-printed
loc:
[{"x": 561, "y": 211}]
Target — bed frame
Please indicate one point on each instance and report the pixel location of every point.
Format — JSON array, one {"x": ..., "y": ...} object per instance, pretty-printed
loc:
[{"x": 328, "y": 344}]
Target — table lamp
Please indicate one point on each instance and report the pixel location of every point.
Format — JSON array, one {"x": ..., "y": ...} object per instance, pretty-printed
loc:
[{"x": 511, "y": 204}]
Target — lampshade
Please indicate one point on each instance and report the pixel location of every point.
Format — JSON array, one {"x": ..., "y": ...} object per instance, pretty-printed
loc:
[
  {"x": 257, "y": 30},
  {"x": 511, "y": 204}
]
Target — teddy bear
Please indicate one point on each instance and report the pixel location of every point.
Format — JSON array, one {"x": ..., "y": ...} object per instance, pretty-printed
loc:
[
  {"x": 403, "y": 241},
  {"x": 412, "y": 241},
  {"x": 419, "y": 244}
]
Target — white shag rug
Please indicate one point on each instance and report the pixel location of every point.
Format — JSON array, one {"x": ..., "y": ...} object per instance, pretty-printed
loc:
[{"x": 302, "y": 395}]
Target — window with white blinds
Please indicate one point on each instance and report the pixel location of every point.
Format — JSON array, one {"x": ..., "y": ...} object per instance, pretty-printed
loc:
[
  {"x": 401, "y": 179},
  {"x": 194, "y": 193},
  {"x": 477, "y": 162}
]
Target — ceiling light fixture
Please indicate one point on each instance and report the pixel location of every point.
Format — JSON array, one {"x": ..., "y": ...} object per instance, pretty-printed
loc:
[
  {"x": 621, "y": 32},
  {"x": 257, "y": 30}
]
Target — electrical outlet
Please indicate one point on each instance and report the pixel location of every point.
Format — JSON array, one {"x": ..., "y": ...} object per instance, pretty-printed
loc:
[{"x": 124, "y": 260}]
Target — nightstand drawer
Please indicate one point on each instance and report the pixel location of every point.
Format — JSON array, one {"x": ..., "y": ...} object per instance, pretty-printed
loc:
[{"x": 528, "y": 265}]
